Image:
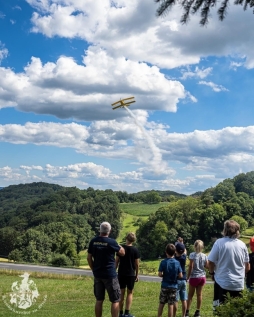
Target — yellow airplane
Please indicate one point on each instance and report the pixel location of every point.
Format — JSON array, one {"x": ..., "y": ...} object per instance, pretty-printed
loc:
[{"x": 123, "y": 103}]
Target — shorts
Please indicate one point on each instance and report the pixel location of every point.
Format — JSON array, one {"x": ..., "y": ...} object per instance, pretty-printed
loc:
[
  {"x": 220, "y": 294},
  {"x": 168, "y": 296},
  {"x": 181, "y": 290},
  {"x": 111, "y": 285},
  {"x": 197, "y": 281},
  {"x": 127, "y": 281}
]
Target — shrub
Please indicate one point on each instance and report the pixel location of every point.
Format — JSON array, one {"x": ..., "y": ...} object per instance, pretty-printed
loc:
[
  {"x": 237, "y": 307},
  {"x": 61, "y": 260}
]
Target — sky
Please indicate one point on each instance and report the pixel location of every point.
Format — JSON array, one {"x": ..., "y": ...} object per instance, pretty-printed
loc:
[{"x": 64, "y": 62}]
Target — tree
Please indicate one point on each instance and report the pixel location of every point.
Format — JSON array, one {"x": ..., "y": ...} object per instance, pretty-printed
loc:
[
  {"x": 152, "y": 198},
  {"x": 204, "y": 6}
]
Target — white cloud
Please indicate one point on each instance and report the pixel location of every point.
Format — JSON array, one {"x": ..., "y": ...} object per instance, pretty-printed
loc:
[
  {"x": 85, "y": 92},
  {"x": 197, "y": 73},
  {"x": 215, "y": 87},
  {"x": 159, "y": 41}
]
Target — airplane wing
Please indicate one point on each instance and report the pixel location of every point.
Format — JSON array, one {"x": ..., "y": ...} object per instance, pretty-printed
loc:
[{"x": 121, "y": 103}]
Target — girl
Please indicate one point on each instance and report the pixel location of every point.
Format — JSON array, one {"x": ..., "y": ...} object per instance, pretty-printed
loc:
[{"x": 196, "y": 276}]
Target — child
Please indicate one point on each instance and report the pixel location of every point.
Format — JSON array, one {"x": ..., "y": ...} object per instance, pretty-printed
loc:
[
  {"x": 196, "y": 276},
  {"x": 250, "y": 274},
  {"x": 128, "y": 273},
  {"x": 181, "y": 294},
  {"x": 169, "y": 270}
]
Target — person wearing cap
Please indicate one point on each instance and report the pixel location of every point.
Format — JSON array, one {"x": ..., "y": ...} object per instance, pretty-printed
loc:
[
  {"x": 228, "y": 263},
  {"x": 181, "y": 294},
  {"x": 101, "y": 259},
  {"x": 196, "y": 276},
  {"x": 250, "y": 274}
]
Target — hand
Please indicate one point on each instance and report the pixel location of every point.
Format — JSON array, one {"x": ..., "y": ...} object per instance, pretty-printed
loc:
[{"x": 136, "y": 280}]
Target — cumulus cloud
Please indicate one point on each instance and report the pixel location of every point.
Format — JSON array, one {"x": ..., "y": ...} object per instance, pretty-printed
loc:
[
  {"x": 85, "y": 92},
  {"x": 159, "y": 41},
  {"x": 215, "y": 87}
]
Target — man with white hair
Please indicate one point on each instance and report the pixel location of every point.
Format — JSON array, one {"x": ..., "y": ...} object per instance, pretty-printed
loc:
[
  {"x": 228, "y": 263},
  {"x": 101, "y": 259}
]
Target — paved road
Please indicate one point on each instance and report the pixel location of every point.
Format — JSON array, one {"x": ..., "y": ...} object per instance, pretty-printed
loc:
[{"x": 60, "y": 270}]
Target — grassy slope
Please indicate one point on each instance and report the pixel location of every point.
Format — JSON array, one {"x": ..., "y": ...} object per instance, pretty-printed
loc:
[
  {"x": 73, "y": 297},
  {"x": 140, "y": 209}
]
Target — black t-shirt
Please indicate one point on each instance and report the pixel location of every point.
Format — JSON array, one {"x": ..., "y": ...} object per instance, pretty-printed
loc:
[
  {"x": 127, "y": 262},
  {"x": 250, "y": 274},
  {"x": 103, "y": 251},
  {"x": 182, "y": 260}
]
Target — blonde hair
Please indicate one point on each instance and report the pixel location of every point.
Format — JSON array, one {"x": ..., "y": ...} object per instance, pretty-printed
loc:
[
  {"x": 131, "y": 237},
  {"x": 198, "y": 246}
]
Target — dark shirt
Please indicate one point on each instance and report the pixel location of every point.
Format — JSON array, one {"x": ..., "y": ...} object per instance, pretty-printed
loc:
[
  {"x": 103, "y": 251},
  {"x": 250, "y": 274},
  {"x": 182, "y": 260},
  {"x": 127, "y": 262}
]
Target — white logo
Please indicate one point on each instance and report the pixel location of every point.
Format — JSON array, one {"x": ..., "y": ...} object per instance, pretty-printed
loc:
[{"x": 24, "y": 294}]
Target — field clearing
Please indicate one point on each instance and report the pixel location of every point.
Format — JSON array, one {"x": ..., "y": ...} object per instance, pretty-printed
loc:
[
  {"x": 72, "y": 296},
  {"x": 141, "y": 209}
]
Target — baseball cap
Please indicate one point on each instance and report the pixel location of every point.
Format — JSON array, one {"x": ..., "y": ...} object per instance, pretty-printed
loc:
[
  {"x": 180, "y": 247},
  {"x": 252, "y": 244}
]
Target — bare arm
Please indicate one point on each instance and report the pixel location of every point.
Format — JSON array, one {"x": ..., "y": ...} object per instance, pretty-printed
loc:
[
  {"x": 90, "y": 260},
  {"x": 190, "y": 269},
  {"x": 211, "y": 266},
  {"x": 137, "y": 269},
  {"x": 247, "y": 267},
  {"x": 121, "y": 252},
  {"x": 117, "y": 262},
  {"x": 180, "y": 275},
  {"x": 160, "y": 274}
]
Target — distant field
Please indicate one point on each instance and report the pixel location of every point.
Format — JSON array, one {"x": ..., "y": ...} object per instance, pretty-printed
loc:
[
  {"x": 141, "y": 209},
  {"x": 249, "y": 231}
]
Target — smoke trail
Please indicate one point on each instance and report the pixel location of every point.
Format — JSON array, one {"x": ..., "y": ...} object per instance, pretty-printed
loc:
[{"x": 157, "y": 162}]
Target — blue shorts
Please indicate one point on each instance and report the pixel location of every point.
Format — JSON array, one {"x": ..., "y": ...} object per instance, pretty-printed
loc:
[{"x": 181, "y": 290}]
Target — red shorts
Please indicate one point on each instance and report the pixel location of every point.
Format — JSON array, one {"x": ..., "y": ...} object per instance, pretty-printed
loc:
[{"x": 197, "y": 281}]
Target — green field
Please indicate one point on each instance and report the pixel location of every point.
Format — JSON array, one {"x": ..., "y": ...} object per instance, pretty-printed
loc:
[
  {"x": 141, "y": 209},
  {"x": 72, "y": 296}
]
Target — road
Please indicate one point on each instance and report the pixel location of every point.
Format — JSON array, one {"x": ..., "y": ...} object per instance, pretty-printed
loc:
[{"x": 69, "y": 271}]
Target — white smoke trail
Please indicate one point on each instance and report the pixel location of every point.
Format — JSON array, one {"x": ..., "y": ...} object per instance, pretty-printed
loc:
[{"x": 157, "y": 163}]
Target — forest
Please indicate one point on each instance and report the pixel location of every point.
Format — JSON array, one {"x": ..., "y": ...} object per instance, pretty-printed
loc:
[{"x": 51, "y": 224}]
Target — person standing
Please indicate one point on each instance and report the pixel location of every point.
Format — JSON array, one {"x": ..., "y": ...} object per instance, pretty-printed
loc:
[
  {"x": 181, "y": 294},
  {"x": 169, "y": 270},
  {"x": 196, "y": 276},
  {"x": 128, "y": 267},
  {"x": 250, "y": 274},
  {"x": 228, "y": 263},
  {"x": 101, "y": 259}
]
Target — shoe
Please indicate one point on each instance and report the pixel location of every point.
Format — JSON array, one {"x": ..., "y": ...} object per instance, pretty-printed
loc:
[
  {"x": 129, "y": 315},
  {"x": 197, "y": 314}
]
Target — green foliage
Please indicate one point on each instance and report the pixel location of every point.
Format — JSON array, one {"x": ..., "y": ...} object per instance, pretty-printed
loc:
[
  {"x": 141, "y": 209},
  {"x": 152, "y": 198},
  {"x": 237, "y": 307},
  {"x": 61, "y": 260},
  {"x": 242, "y": 222}
]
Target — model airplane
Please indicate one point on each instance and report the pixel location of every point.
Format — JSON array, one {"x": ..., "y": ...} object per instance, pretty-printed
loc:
[{"x": 123, "y": 103}]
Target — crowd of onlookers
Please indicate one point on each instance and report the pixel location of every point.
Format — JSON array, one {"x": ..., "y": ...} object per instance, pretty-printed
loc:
[{"x": 229, "y": 265}]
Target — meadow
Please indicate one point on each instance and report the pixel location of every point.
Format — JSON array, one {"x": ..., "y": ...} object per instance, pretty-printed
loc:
[
  {"x": 72, "y": 296},
  {"x": 141, "y": 209}
]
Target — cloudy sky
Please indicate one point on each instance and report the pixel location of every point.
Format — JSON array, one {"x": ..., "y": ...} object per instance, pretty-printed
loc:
[{"x": 64, "y": 62}]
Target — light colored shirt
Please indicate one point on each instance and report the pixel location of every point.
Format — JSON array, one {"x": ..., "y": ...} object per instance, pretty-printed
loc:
[
  {"x": 199, "y": 261},
  {"x": 229, "y": 256}
]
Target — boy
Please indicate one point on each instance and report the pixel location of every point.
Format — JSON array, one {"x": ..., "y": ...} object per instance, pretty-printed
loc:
[
  {"x": 250, "y": 274},
  {"x": 128, "y": 273},
  {"x": 180, "y": 256},
  {"x": 169, "y": 270}
]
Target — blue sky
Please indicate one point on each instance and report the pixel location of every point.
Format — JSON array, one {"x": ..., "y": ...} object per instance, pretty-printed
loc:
[{"x": 62, "y": 64}]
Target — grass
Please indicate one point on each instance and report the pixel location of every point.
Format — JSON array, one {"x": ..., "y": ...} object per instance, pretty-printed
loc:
[
  {"x": 141, "y": 209},
  {"x": 72, "y": 296}
]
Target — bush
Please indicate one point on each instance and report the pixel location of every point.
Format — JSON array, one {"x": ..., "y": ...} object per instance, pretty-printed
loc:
[
  {"x": 237, "y": 307},
  {"x": 61, "y": 260}
]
